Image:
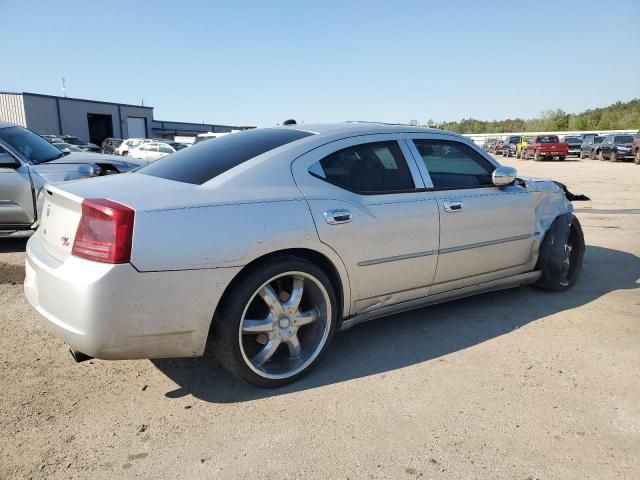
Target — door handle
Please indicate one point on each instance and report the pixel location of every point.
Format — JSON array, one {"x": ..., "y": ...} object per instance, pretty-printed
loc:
[
  {"x": 452, "y": 205},
  {"x": 335, "y": 217}
]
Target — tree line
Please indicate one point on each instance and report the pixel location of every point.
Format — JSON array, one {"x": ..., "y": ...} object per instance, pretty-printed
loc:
[{"x": 619, "y": 116}]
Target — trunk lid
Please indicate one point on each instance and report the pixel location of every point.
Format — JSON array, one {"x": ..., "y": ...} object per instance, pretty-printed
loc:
[{"x": 59, "y": 220}]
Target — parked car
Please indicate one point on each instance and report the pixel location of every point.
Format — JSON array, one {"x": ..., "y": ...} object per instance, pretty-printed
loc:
[
  {"x": 616, "y": 147},
  {"x": 152, "y": 150},
  {"x": 521, "y": 146},
  {"x": 78, "y": 142},
  {"x": 574, "y": 143},
  {"x": 496, "y": 147},
  {"x": 201, "y": 137},
  {"x": 67, "y": 147},
  {"x": 490, "y": 144},
  {"x": 590, "y": 145},
  {"x": 127, "y": 144},
  {"x": 546, "y": 147},
  {"x": 509, "y": 145},
  {"x": 28, "y": 162},
  {"x": 110, "y": 145},
  {"x": 266, "y": 242},
  {"x": 636, "y": 147},
  {"x": 52, "y": 139}
]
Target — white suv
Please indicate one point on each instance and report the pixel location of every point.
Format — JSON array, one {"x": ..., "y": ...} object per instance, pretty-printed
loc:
[
  {"x": 150, "y": 150},
  {"x": 129, "y": 144}
]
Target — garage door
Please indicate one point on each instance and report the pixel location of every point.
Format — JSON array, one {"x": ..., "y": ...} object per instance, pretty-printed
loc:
[{"x": 136, "y": 127}]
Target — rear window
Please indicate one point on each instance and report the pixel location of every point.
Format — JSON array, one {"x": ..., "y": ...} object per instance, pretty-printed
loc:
[
  {"x": 548, "y": 139},
  {"x": 573, "y": 140},
  {"x": 202, "y": 162}
]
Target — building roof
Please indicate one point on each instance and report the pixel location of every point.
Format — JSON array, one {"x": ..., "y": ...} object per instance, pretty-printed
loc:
[{"x": 75, "y": 99}]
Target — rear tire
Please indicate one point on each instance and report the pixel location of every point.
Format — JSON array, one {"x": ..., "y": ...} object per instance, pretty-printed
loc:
[
  {"x": 259, "y": 336},
  {"x": 536, "y": 156},
  {"x": 601, "y": 157},
  {"x": 613, "y": 156},
  {"x": 561, "y": 255},
  {"x": 636, "y": 157}
]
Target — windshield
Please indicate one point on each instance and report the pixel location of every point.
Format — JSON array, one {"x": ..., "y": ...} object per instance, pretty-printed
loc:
[
  {"x": 74, "y": 140},
  {"x": 35, "y": 148},
  {"x": 548, "y": 139},
  {"x": 178, "y": 146},
  {"x": 599, "y": 139},
  {"x": 514, "y": 139},
  {"x": 67, "y": 147},
  {"x": 623, "y": 139}
]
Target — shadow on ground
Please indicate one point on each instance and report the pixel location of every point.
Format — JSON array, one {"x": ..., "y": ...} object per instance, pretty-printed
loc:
[{"x": 401, "y": 340}]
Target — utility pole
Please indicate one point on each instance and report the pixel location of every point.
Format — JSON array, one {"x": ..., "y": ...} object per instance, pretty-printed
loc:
[{"x": 64, "y": 87}]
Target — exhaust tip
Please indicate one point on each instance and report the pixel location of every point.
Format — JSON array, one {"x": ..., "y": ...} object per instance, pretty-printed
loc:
[{"x": 79, "y": 356}]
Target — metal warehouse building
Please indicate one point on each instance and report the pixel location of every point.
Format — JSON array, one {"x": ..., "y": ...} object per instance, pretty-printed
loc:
[{"x": 93, "y": 120}]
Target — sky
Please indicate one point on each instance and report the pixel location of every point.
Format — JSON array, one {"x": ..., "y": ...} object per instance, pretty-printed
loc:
[{"x": 261, "y": 62}]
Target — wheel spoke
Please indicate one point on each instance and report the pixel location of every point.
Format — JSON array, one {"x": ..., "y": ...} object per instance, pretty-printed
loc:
[
  {"x": 293, "y": 303},
  {"x": 271, "y": 299},
  {"x": 267, "y": 352},
  {"x": 293, "y": 344},
  {"x": 258, "y": 326},
  {"x": 305, "y": 318}
]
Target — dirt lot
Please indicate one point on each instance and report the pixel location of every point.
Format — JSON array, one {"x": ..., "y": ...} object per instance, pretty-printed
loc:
[{"x": 519, "y": 384}]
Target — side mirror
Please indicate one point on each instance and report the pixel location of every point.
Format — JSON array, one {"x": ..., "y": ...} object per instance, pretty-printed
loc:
[
  {"x": 7, "y": 161},
  {"x": 503, "y": 176}
]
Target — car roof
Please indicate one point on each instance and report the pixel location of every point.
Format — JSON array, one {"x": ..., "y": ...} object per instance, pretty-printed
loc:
[
  {"x": 7, "y": 125},
  {"x": 359, "y": 128}
]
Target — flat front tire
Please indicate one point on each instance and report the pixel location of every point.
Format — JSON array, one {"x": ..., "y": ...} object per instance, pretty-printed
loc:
[
  {"x": 275, "y": 322},
  {"x": 561, "y": 255}
]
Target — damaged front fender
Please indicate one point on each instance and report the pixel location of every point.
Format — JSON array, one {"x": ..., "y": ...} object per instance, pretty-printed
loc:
[{"x": 551, "y": 201}]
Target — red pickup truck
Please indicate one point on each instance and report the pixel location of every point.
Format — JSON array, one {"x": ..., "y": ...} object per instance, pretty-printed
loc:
[{"x": 546, "y": 147}]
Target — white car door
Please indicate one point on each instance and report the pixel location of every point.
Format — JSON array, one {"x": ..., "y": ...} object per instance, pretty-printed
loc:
[
  {"x": 370, "y": 205},
  {"x": 486, "y": 232}
]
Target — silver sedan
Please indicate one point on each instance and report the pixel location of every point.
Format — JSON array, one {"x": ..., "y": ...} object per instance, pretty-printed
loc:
[{"x": 263, "y": 243}]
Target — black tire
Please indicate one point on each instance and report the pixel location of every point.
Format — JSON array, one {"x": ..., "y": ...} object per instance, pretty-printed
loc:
[
  {"x": 601, "y": 156},
  {"x": 558, "y": 275},
  {"x": 581, "y": 155},
  {"x": 536, "y": 156},
  {"x": 613, "y": 156},
  {"x": 636, "y": 157},
  {"x": 224, "y": 337},
  {"x": 561, "y": 158}
]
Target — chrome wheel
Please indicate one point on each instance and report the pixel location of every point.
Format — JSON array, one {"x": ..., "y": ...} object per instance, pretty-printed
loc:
[{"x": 285, "y": 325}]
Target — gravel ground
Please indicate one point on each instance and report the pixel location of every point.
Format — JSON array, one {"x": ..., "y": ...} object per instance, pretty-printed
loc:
[{"x": 519, "y": 384}]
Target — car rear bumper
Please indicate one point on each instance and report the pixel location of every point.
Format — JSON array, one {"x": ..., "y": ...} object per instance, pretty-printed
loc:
[{"x": 116, "y": 312}]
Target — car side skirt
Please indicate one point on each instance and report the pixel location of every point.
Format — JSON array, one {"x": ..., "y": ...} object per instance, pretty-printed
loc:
[{"x": 500, "y": 284}]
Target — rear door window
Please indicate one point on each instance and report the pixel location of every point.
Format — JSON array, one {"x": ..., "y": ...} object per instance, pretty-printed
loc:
[
  {"x": 206, "y": 160},
  {"x": 369, "y": 169}
]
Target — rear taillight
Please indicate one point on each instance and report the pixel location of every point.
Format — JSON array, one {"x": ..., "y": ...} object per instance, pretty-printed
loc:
[{"x": 105, "y": 231}]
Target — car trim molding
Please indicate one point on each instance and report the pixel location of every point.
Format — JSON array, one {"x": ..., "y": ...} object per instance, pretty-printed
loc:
[
  {"x": 377, "y": 261},
  {"x": 485, "y": 244}
]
